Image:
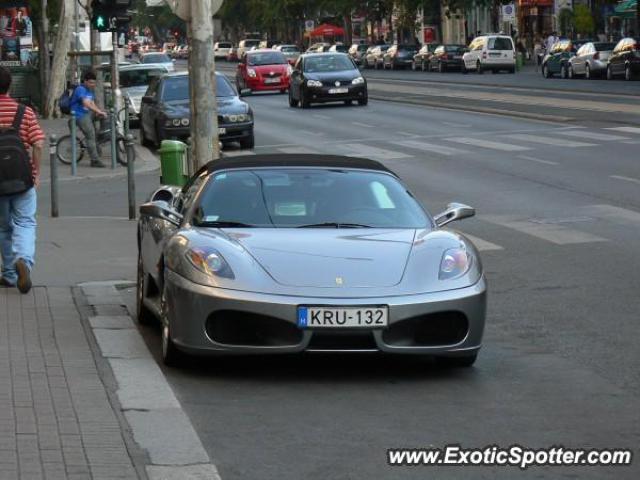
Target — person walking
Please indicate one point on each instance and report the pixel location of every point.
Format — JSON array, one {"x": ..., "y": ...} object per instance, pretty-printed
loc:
[
  {"x": 18, "y": 210},
  {"x": 83, "y": 108}
]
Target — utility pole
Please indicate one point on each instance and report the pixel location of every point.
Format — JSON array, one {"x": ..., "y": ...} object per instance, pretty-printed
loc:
[{"x": 76, "y": 43}]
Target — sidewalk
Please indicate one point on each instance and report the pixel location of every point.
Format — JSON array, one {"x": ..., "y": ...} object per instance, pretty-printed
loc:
[{"x": 146, "y": 161}]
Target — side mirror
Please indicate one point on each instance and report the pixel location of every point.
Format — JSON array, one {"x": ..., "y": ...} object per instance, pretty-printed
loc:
[
  {"x": 245, "y": 92},
  {"x": 148, "y": 99},
  {"x": 454, "y": 211},
  {"x": 162, "y": 211}
]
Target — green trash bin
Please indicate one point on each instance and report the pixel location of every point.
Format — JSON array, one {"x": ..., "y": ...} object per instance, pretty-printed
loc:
[
  {"x": 519, "y": 61},
  {"x": 173, "y": 163}
]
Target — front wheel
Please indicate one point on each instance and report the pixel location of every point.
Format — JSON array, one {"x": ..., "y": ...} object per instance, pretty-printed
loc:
[
  {"x": 171, "y": 356},
  {"x": 564, "y": 72},
  {"x": 65, "y": 150},
  {"x": 363, "y": 101},
  {"x": 628, "y": 75},
  {"x": 441, "y": 68},
  {"x": 479, "y": 69},
  {"x": 546, "y": 73},
  {"x": 587, "y": 72},
  {"x": 248, "y": 143},
  {"x": 143, "y": 315},
  {"x": 292, "y": 102},
  {"x": 609, "y": 73}
]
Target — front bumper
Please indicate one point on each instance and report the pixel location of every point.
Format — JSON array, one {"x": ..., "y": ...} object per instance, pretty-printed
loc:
[
  {"x": 259, "y": 85},
  {"x": 322, "y": 95},
  {"x": 235, "y": 131},
  {"x": 192, "y": 308}
]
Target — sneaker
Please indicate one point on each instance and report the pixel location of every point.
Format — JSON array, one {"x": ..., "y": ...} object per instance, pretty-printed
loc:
[
  {"x": 24, "y": 276},
  {"x": 4, "y": 283},
  {"x": 98, "y": 164}
]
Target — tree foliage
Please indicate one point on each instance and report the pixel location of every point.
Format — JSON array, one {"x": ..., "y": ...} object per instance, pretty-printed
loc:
[{"x": 583, "y": 20}]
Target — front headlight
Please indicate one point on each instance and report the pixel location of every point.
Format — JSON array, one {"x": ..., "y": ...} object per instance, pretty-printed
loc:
[
  {"x": 357, "y": 81},
  {"x": 251, "y": 72},
  {"x": 237, "y": 118},
  {"x": 455, "y": 262},
  {"x": 314, "y": 83},
  {"x": 209, "y": 261}
]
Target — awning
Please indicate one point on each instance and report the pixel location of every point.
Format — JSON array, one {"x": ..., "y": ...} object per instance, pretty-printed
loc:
[
  {"x": 326, "y": 30},
  {"x": 626, "y": 9}
]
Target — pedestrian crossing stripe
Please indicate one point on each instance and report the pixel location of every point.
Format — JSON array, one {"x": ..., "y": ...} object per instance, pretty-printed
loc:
[
  {"x": 592, "y": 135},
  {"x": 430, "y": 147},
  {"x": 556, "y": 142},
  {"x": 478, "y": 142},
  {"x": 625, "y": 129},
  {"x": 481, "y": 244},
  {"x": 362, "y": 150}
]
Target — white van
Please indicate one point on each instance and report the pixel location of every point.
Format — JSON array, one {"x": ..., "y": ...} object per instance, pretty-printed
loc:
[
  {"x": 246, "y": 45},
  {"x": 490, "y": 52}
]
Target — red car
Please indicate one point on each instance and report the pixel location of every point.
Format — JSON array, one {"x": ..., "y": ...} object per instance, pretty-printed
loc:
[{"x": 263, "y": 70}]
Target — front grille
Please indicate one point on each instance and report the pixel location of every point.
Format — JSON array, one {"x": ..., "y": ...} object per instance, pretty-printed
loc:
[
  {"x": 342, "y": 340},
  {"x": 434, "y": 329},
  {"x": 332, "y": 83},
  {"x": 231, "y": 327}
]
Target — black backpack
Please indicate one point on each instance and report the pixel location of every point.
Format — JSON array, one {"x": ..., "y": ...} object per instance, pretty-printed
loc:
[
  {"x": 15, "y": 165},
  {"x": 64, "y": 102}
]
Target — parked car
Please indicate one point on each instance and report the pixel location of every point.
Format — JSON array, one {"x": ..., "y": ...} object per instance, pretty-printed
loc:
[
  {"x": 358, "y": 51},
  {"x": 557, "y": 60},
  {"x": 245, "y": 45},
  {"x": 590, "y": 60},
  {"x": 338, "y": 47},
  {"x": 313, "y": 48},
  {"x": 268, "y": 43},
  {"x": 625, "y": 59},
  {"x": 224, "y": 263},
  {"x": 263, "y": 70},
  {"x": 447, "y": 57},
  {"x": 157, "y": 58},
  {"x": 398, "y": 56},
  {"x": 166, "y": 111},
  {"x": 232, "y": 56},
  {"x": 490, "y": 52},
  {"x": 422, "y": 58},
  {"x": 290, "y": 52},
  {"x": 373, "y": 59},
  {"x": 326, "y": 77},
  {"x": 221, "y": 50}
]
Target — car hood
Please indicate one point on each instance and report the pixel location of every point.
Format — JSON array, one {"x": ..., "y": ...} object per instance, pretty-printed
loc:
[
  {"x": 330, "y": 257},
  {"x": 342, "y": 76},
  {"x": 226, "y": 105},
  {"x": 266, "y": 69}
]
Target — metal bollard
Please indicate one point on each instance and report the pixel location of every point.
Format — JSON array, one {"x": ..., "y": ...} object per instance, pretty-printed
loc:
[
  {"x": 114, "y": 135},
  {"x": 126, "y": 116},
  {"x": 189, "y": 159},
  {"x": 53, "y": 150},
  {"x": 131, "y": 176},
  {"x": 74, "y": 145}
]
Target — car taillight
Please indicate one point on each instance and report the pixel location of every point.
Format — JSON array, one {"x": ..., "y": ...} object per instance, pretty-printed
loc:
[
  {"x": 636, "y": 47},
  {"x": 445, "y": 56},
  {"x": 596, "y": 56}
]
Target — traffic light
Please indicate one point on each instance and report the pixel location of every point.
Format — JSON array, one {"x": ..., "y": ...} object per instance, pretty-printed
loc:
[{"x": 109, "y": 15}]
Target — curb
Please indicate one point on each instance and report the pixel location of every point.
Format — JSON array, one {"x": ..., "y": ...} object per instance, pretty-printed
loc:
[{"x": 157, "y": 422}]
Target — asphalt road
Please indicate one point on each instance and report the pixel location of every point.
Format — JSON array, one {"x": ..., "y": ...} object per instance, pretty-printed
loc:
[{"x": 558, "y": 225}]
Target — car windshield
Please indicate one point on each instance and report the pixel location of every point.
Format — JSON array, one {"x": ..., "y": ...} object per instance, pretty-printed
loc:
[
  {"x": 266, "y": 58},
  {"x": 138, "y": 78},
  {"x": 308, "y": 197},
  {"x": 176, "y": 89},
  {"x": 156, "y": 58},
  {"x": 328, "y": 63},
  {"x": 289, "y": 49},
  {"x": 604, "y": 47},
  {"x": 454, "y": 48}
]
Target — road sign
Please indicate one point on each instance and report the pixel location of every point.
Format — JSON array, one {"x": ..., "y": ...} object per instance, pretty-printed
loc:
[
  {"x": 508, "y": 12},
  {"x": 309, "y": 25}
]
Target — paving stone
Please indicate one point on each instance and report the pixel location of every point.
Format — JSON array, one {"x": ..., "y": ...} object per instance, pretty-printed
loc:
[{"x": 111, "y": 322}]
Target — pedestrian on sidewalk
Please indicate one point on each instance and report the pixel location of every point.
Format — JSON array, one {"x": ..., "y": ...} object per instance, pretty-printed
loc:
[
  {"x": 18, "y": 210},
  {"x": 84, "y": 109}
]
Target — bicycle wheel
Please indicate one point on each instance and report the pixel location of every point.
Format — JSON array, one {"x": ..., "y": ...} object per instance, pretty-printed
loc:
[
  {"x": 121, "y": 153},
  {"x": 65, "y": 150}
]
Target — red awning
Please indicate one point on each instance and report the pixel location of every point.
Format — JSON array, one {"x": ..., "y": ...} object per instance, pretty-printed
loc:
[{"x": 326, "y": 30}]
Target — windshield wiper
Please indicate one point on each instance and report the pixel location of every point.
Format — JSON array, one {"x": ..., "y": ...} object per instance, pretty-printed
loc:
[
  {"x": 224, "y": 224},
  {"x": 335, "y": 225}
]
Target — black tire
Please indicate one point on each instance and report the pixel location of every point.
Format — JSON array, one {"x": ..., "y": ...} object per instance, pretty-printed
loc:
[
  {"x": 143, "y": 314},
  {"x": 144, "y": 140},
  {"x": 292, "y": 101},
  {"x": 348, "y": 102},
  {"x": 304, "y": 103},
  {"x": 457, "y": 362},
  {"x": 64, "y": 151},
  {"x": 363, "y": 101},
  {"x": 423, "y": 66},
  {"x": 512, "y": 70},
  {"x": 479, "y": 70},
  {"x": 564, "y": 73},
  {"x": 628, "y": 74},
  {"x": 414, "y": 67},
  {"x": 587, "y": 72},
  {"x": 248, "y": 142},
  {"x": 545, "y": 71},
  {"x": 463, "y": 69},
  {"x": 570, "y": 73},
  {"x": 171, "y": 356},
  {"x": 442, "y": 68},
  {"x": 159, "y": 138},
  {"x": 609, "y": 73}
]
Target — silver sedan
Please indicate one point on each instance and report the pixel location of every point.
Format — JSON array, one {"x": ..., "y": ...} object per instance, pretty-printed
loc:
[
  {"x": 590, "y": 60},
  {"x": 292, "y": 253}
]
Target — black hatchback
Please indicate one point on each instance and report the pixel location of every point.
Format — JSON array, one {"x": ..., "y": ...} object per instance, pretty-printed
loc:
[{"x": 326, "y": 77}]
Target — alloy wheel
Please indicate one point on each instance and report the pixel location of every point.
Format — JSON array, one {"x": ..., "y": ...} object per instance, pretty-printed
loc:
[{"x": 587, "y": 72}]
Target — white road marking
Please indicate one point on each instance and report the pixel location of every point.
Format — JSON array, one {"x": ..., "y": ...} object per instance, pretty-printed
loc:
[
  {"x": 321, "y": 117},
  {"x": 365, "y": 125},
  {"x": 557, "y": 142},
  {"x": 626, "y": 179},
  {"x": 537, "y": 160},
  {"x": 625, "y": 129},
  {"x": 430, "y": 147},
  {"x": 298, "y": 149},
  {"x": 553, "y": 233},
  {"x": 406, "y": 134},
  {"x": 457, "y": 125},
  {"x": 238, "y": 153},
  {"x": 482, "y": 245},
  {"x": 609, "y": 212},
  {"x": 362, "y": 150},
  {"x": 308, "y": 132},
  {"x": 592, "y": 135},
  {"x": 478, "y": 142},
  {"x": 632, "y": 142}
]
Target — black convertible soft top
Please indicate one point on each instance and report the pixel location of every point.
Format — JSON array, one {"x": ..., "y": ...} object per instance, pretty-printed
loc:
[{"x": 295, "y": 160}]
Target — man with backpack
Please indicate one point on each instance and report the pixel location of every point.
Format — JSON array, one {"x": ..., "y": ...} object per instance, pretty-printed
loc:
[
  {"x": 19, "y": 177},
  {"x": 83, "y": 107}
]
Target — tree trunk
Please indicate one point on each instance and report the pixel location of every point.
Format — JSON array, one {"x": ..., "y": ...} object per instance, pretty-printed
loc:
[
  {"x": 43, "y": 52},
  {"x": 60, "y": 59},
  {"x": 204, "y": 119}
]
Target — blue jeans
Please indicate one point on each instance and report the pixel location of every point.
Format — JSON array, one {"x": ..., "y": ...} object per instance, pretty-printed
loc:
[{"x": 17, "y": 231}]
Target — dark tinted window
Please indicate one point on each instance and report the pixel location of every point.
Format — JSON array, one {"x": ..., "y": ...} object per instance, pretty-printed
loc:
[
  {"x": 454, "y": 48},
  {"x": 362, "y": 48},
  {"x": 500, "y": 43},
  {"x": 138, "y": 78},
  {"x": 224, "y": 45},
  {"x": 266, "y": 58},
  {"x": 156, "y": 58},
  {"x": 176, "y": 89},
  {"x": 328, "y": 63},
  {"x": 604, "y": 47},
  {"x": 339, "y": 48},
  {"x": 296, "y": 197}
]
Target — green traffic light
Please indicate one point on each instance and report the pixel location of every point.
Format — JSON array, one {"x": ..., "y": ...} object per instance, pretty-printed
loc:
[{"x": 100, "y": 22}]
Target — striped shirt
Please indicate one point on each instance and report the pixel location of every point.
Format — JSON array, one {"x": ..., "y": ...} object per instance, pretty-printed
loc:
[{"x": 30, "y": 130}]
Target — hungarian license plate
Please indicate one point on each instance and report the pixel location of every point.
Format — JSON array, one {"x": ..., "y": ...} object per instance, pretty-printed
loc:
[
  {"x": 222, "y": 131},
  {"x": 343, "y": 317},
  {"x": 271, "y": 80},
  {"x": 338, "y": 90}
]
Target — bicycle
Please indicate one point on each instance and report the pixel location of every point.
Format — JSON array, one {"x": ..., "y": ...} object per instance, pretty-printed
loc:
[{"x": 65, "y": 152}]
